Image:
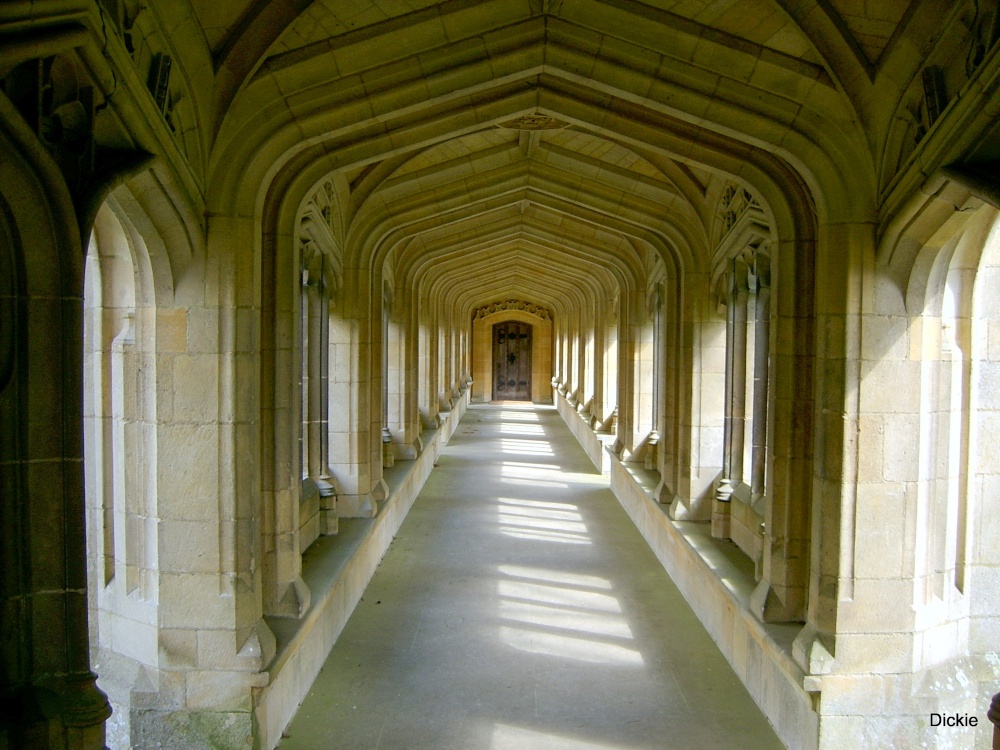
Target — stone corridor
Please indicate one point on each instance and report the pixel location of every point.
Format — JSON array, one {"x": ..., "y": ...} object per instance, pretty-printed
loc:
[
  {"x": 258, "y": 259},
  {"x": 518, "y": 608}
]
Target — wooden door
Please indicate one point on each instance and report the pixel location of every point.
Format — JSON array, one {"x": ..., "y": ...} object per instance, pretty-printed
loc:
[{"x": 511, "y": 361}]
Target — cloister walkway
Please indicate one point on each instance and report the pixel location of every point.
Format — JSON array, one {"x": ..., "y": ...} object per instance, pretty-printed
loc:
[{"x": 518, "y": 608}]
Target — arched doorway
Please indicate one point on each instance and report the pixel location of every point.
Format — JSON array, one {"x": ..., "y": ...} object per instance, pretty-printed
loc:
[{"x": 512, "y": 361}]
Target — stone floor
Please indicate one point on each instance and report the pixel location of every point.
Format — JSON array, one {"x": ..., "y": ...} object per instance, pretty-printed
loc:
[{"x": 518, "y": 609}]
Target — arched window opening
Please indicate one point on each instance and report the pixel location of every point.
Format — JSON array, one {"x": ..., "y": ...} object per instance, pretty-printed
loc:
[
  {"x": 443, "y": 368},
  {"x": 588, "y": 333},
  {"x": 398, "y": 442},
  {"x": 119, "y": 406},
  {"x": 321, "y": 370},
  {"x": 976, "y": 551},
  {"x": 947, "y": 331},
  {"x": 317, "y": 487},
  {"x": 609, "y": 418},
  {"x": 427, "y": 404},
  {"x": 744, "y": 272},
  {"x": 745, "y": 428},
  {"x": 649, "y": 373}
]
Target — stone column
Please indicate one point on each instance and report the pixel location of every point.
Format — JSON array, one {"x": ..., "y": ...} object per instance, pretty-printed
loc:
[
  {"x": 625, "y": 405},
  {"x": 51, "y": 701},
  {"x": 597, "y": 364},
  {"x": 428, "y": 383},
  {"x": 411, "y": 385},
  {"x": 781, "y": 593},
  {"x": 701, "y": 372},
  {"x": 761, "y": 363},
  {"x": 611, "y": 363},
  {"x": 733, "y": 424},
  {"x": 289, "y": 308}
]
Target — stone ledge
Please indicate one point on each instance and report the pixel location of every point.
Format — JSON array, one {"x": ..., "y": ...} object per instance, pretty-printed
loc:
[
  {"x": 337, "y": 572},
  {"x": 718, "y": 590},
  {"x": 592, "y": 443}
]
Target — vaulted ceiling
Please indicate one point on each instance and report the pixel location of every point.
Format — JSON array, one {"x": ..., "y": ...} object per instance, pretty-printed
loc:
[{"x": 556, "y": 150}]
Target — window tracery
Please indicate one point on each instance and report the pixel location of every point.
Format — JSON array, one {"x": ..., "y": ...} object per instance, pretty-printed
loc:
[{"x": 743, "y": 276}]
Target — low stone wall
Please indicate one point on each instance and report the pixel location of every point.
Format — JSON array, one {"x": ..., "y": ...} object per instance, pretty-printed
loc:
[
  {"x": 717, "y": 586},
  {"x": 592, "y": 443},
  {"x": 303, "y": 645},
  {"x": 719, "y": 593}
]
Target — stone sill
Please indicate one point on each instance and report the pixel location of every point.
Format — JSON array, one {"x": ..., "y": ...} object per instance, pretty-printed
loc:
[
  {"x": 723, "y": 558},
  {"x": 593, "y": 444},
  {"x": 717, "y": 581},
  {"x": 337, "y": 569}
]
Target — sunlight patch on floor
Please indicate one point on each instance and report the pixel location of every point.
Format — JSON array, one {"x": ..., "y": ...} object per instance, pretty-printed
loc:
[
  {"x": 574, "y": 647},
  {"x": 535, "y": 482},
  {"x": 533, "y": 522},
  {"x": 591, "y": 623},
  {"x": 507, "y": 737},
  {"x": 517, "y": 467},
  {"x": 546, "y": 536},
  {"x": 516, "y": 415},
  {"x": 525, "y": 447},
  {"x": 544, "y": 611},
  {"x": 538, "y": 504},
  {"x": 554, "y": 576},
  {"x": 510, "y": 428},
  {"x": 519, "y": 510},
  {"x": 539, "y": 592}
]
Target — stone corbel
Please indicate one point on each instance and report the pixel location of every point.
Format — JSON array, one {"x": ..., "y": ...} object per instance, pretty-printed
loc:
[
  {"x": 683, "y": 509},
  {"x": 617, "y": 449},
  {"x": 768, "y": 607},
  {"x": 645, "y": 451},
  {"x": 379, "y": 494},
  {"x": 663, "y": 494},
  {"x": 361, "y": 506},
  {"x": 610, "y": 425},
  {"x": 417, "y": 446},
  {"x": 408, "y": 451},
  {"x": 813, "y": 654},
  {"x": 258, "y": 649},
  {"x": 293, "y": 601}
]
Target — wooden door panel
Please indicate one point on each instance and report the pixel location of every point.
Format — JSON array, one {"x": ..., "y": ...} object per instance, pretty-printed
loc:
[{"x": 512, "y": 361}]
